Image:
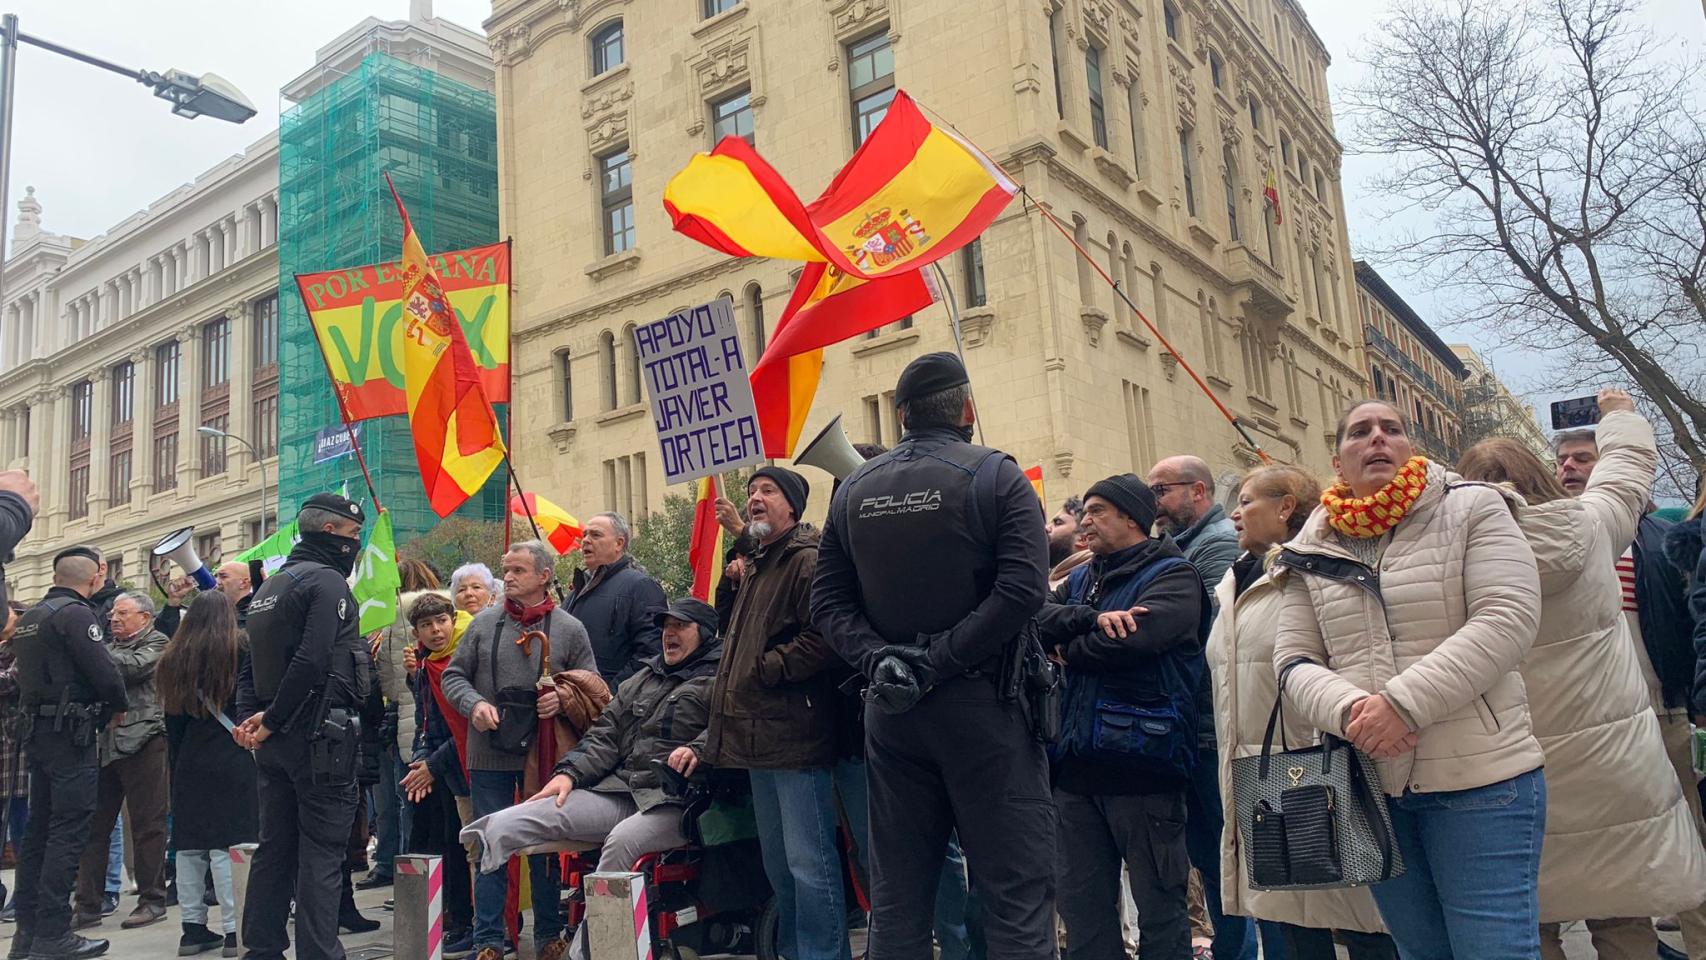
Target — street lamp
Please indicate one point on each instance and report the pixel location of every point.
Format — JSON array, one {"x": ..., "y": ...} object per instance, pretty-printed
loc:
[
  {"x": 190, "y": 96},
  {"x": 259, "y": 461}
]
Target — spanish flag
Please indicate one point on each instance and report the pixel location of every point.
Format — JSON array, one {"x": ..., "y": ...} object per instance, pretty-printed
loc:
[
  {"x": 1270, "y": 193},
  {"x": 559, "y": 526},
  {"x": 912, "y": 194},
  {"x": 828, "y": 306},
  {"x": 457, "y": 442},
  {"x": 1035, "y": 475},
  {"x": 705, "y": 546}
]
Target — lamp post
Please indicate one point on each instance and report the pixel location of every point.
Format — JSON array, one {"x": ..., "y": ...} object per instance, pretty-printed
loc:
[
  {"x": 259, "y": 461},
  {"x": 190, "y": 96}
]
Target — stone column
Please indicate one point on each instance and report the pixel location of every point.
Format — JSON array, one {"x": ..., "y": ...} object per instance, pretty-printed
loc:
[
  {"x": 54, "y": 456},
  {"x": 142, "y": 427},
  {"x": 9, "y": 436},
  {"x": 100, "y": 442},
  {"x": 27, "y": 332},
  {"x": 241, "y": 244},
  {"x": 189, "y": 410},
  {"x": 41, "y": 422},
  {"x": 9, "y": 335},
  {"x": 203, "y": 240},
  {"x": 242, "y": 387},
  {"x": 269, "y": 222}
]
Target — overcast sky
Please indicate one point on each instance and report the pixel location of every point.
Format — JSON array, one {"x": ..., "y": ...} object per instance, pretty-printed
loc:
[{"x": 98, "y": 147}]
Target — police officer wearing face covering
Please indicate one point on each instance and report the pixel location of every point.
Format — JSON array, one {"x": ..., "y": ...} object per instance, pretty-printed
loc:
[
  {"x": 933, "y": 561},
  {"x": 69, "y": 688},
  {"x": 308, "y": 667}
]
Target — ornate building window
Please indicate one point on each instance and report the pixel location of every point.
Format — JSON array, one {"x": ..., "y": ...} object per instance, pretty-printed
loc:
[
  {"x": 616, "y": 180},
  {"x": 870, "y": 80},
  {"x": 607, "y": 48},
  {"x": 1098, "y": 113}
]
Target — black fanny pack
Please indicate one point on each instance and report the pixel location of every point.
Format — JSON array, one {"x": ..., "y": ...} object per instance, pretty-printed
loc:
[{"x": 518, "y": 706}]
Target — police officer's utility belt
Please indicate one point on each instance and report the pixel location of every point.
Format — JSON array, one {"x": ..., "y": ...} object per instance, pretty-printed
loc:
[{"x": 70, "y": 711}]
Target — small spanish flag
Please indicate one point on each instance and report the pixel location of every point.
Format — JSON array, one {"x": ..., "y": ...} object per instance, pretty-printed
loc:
[
  {"x": 705, "y": 546},
  {"x": 559, "y": 526},
  {"x": 1035, "y": 475},
  {"x": 1270, "y": 193}
]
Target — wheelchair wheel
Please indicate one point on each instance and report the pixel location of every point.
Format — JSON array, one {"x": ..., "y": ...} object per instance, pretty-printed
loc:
[{"x": 767, "y": 932}]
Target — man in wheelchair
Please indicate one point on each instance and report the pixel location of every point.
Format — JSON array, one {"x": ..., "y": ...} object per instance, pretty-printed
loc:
[{"x": 606, "y": 789}]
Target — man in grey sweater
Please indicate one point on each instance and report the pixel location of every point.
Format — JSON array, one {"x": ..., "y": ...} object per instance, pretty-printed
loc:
[{"x": 488, "y": 660}]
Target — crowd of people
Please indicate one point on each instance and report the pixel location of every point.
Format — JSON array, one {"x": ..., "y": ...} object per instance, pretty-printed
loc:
[{"x": 1021, "y": 726}]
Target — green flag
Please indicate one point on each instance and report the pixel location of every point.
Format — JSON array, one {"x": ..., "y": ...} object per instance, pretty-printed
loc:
[
  {"x": 375, "y": 582},
  {"x": 273, "y": 550}
]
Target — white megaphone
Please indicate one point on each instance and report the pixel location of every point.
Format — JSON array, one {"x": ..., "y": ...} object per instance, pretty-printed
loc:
[
  {"x": 176, "y": 546},
  {"x": 831, "y": 451}
]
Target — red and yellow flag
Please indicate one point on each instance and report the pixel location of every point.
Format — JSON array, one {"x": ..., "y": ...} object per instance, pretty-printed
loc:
[
  {"x": 705, "y": 546},
  {"x": 1035, "y": 475},
  {"x": 559, "y": 526},
  {"x": 357, "y": 314},
  {"x": 457, "y": 441},
  {"x": 912, "y": 194},
  {"x": 1270, "y": 193},
  {"x": 828, "y": 306}
]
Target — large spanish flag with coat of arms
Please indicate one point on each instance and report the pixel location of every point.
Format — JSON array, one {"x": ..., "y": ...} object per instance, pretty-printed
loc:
[
  {"x": 457, "y": 441},
  {"x": 912, "y": 194}
]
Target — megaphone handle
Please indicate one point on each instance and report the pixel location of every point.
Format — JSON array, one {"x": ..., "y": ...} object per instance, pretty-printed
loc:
[{"x": 202, "y": 578}]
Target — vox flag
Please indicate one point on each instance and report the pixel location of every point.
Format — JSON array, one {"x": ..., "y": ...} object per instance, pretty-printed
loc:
[
  {"x": 274, "y": 550},
  {"x": 912, "y": 194},
  {"x": 375, "y": 582},
  {"x": 358, "y": 319},
  {"x": 457, "y": 441},
  {"x": 828, "y": 306}
]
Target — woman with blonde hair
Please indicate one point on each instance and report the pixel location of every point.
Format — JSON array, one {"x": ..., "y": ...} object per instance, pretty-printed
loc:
[
  {"x": 1272, "y": 504},
  {"x": 1620, "y": 842},
  {"x": 1408, "y": 600}
]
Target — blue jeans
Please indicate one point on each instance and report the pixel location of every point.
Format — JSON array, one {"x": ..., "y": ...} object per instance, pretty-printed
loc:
[
  {"x": 795, "y": 814},
  {"x": 1471, "y": 872},
  {"x": 491, "y": 791},
  {"x": 396, "y": 816},
  {"x": 115, "y": 859},
  {"x": 953, "y": 936},
  {"x": 1234, "y": 937}
]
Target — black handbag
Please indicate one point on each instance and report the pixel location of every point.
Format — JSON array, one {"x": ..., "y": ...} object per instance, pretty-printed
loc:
[
  {"x": 518, "y": 707},
  {"x": 1312, "y": 819}
]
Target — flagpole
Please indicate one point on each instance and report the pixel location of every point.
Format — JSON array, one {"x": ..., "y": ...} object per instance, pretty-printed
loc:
[
  {"x": 1232, "y": 418},
  {"x": 527, "y": 508},
  {"x": 343, "y": 413},
  {"x": 509, "y": 408},
  {"x": 953, "y": 304}
]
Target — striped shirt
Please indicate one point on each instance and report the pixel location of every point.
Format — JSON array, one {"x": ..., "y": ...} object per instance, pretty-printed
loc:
[{"x": 1626, "y": 578}]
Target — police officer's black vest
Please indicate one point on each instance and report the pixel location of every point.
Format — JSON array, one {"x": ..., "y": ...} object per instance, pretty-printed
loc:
[
  {"x": 45, "y": 667},
  {"x": 275, "y": 626},
  {"x": 920, "y": 530}
]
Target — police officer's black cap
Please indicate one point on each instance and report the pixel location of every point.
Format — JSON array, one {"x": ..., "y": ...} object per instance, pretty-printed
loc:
[
  {"x": 342, "y": 506},
  {"x": 794, "y": 487},
  {"x": 79, "y": 550},
  {"x": 690, "y": 610},
  {"x": 1130, "y": 495},
  {"x": 931, "y": 373}
]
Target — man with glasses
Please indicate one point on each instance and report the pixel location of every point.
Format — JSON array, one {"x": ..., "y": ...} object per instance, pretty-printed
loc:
[{"x": 1186, "y": 511}]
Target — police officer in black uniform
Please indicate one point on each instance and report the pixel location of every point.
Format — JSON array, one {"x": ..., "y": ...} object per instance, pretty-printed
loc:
[
  {"x": 933, "y": 561},
  {"x": 69, "y": 688},
  {"x": 308, "y": 669}
]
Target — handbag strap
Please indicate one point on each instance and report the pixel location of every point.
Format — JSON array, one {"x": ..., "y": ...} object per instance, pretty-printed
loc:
[{"x": 1276, "y": 718}]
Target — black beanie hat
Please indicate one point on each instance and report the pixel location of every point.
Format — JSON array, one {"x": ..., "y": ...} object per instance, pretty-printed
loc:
[
  {"x": 794, "y": 487},
  {"x": 931, "y": 373},
  {"x": 1131, "y": 495}
]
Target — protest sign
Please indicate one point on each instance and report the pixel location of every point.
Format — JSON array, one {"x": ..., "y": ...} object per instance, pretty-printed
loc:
[{"x": 700, "y": 397}]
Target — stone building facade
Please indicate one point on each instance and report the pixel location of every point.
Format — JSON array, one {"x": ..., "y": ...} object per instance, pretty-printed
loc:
[
  {"x": 1410, "y": 366},
  {"x": 1150, "y": 128},
  {"x": 1490, "y": 409}
]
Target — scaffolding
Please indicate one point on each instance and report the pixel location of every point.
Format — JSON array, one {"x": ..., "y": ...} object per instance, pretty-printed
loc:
[{"x": 438, "y": 141}]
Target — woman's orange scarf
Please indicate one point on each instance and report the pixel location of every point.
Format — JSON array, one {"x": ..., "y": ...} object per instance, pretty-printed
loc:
[{"x": 1368, "y": 517}]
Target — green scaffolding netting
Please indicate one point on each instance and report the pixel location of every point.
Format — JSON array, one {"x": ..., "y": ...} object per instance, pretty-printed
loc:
[{"x": 438, "y": 141}]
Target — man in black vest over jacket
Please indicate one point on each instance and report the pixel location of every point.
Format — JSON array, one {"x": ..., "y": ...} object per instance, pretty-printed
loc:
[
  {"x": 933, "y": 560},
  {"x": 309, "y": 668}
]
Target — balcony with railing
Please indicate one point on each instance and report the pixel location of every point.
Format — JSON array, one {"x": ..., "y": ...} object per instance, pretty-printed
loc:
[{"x": 1411, "y": 368}]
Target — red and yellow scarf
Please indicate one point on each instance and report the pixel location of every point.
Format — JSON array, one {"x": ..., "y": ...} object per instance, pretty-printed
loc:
[{"x": 1374, "y": 515}]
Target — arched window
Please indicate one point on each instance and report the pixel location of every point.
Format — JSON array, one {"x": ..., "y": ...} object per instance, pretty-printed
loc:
[
  {"x": 607, "y": 47},
  {"x": 636, "y": 392},
  {"x": 755, "y": 316},
  {"x": 607, "y": 367}
]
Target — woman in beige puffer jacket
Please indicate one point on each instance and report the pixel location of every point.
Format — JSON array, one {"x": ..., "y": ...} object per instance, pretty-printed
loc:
[
  {"x": 1409, "y": 600},
  {"x": 1620, "y": 845},
  {"x": 1271, "y": 506}
]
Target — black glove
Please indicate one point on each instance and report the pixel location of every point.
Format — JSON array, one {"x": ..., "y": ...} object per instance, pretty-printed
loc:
[{"x": 893, "y": 687}]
